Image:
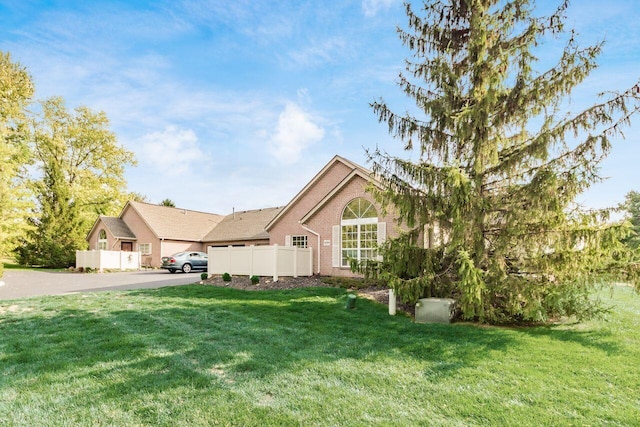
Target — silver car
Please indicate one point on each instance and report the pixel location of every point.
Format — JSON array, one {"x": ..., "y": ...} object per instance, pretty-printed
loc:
[{"x": 185, "y": 261}]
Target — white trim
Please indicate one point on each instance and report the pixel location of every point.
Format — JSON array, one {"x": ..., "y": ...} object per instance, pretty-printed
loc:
[
  {"x": 382, "y": 236},
  {"x": 336, "y": 250},
  {"x": 318, "y": 237}
]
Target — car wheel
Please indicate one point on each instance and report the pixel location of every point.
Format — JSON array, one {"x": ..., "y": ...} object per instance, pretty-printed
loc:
[
  {"x": 171, "y": 270},
  {"x": 186, "y": 268}
]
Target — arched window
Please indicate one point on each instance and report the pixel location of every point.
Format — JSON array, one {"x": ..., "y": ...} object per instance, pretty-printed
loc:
[
  {"x": 359, "y": 231},
  {"x": 102, "y": 240}
]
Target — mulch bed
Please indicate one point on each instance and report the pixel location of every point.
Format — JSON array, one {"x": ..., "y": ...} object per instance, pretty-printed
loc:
[{"x": 267, "y": 283}]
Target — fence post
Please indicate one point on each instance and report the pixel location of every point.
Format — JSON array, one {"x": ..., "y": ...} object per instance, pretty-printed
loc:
[
  {"x": 295, "y": 261},
  {"x": 250, "y": 260},
  {"x": 275, "y": 263}
]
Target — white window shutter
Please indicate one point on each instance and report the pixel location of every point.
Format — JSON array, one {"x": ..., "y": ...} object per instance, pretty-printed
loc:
[
  {"x": 382, "y": 232},
  {"x": 287, "y": 240},
  {"x": 382, "y": 236},
  {"x": 335, "y": 240}
]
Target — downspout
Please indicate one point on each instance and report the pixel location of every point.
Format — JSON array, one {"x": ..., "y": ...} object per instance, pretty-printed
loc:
[{"x": 318, "y": 236}]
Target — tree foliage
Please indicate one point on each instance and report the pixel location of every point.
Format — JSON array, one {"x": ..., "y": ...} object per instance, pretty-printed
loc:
[
  {"x": 16, "y": 90},
  {"x": 81, "y": 176},
  {"x": 632, "y": 207},
  {"x": 167, "y": 202},
  {"x": 498, "y": 165}
]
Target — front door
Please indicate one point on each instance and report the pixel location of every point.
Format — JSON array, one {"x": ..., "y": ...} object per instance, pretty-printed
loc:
[{"x": 126, "y": 246}]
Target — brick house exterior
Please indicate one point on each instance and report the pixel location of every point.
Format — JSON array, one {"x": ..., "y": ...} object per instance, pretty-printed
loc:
[
  {"x": 333, "y": 214},
  {"x": 316, "y": 214}
]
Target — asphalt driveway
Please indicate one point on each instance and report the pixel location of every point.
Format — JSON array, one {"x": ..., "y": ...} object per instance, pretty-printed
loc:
[{"x": 29, "y": 283}]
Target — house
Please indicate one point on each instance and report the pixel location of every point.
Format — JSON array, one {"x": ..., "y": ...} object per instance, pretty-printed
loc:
[
  {"x": 333, "y": 214},
  {"x": 153, "y": 230}
]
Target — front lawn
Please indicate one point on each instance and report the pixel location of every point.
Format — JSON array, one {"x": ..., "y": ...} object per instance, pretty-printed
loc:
[{"x": 201, "y": 355}]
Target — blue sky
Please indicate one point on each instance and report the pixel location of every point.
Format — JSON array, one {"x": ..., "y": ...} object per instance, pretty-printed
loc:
[{"x": 237, "y": 104}]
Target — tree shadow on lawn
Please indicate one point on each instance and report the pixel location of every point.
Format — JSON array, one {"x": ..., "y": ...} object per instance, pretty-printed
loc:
[{"x": 204, "y": 337}]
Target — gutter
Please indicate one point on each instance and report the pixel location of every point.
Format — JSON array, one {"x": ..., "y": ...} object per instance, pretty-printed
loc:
[{"x": 318, "y": 236}]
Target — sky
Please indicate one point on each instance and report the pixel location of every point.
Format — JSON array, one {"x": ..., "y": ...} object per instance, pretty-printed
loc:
[{"x": 237, "y": 104}]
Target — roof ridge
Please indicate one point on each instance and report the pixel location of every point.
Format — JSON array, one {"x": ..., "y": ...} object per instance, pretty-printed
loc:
[{"x": 173, "y": 207}]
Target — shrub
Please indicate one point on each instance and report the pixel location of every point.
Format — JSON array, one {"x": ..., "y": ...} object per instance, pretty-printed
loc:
[
  {"x": 255, "y": 280},
  {"x": 226, "y": 277},
  {"x": 204, "y": 276}
]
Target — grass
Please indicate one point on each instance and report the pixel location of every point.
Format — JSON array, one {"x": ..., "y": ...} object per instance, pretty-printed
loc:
[
  {"x": 199, "y": 355},
  {"x": 10, "y": 264}
]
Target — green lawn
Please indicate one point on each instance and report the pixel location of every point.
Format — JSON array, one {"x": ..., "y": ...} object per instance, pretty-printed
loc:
[{"x": 196, "y": 355}]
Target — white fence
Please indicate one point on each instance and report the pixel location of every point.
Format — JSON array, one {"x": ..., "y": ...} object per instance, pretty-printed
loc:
[
  {"x": 261, "y": 261},
  {"x": 114, "y": 260}
]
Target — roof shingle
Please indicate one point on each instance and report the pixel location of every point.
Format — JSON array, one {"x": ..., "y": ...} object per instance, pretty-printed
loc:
[
  {"x": 175, "y": 223},
  {"x": 117, "y": 227},
  {"x": 245, "y": 225}
]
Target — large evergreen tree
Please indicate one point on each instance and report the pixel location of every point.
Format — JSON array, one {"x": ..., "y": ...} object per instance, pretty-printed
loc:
[
  {"x": 498, "y": 164},
  {"x": 81, "y": 169},
  {"x": 16, "y": 90}
]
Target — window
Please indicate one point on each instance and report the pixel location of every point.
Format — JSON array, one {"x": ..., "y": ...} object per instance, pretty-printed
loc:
[
  {"x": 145, "y": 248},
  {"x": 359, "y": 231},
  {"x": 299, "y": 241},
  {"x": 102, "y": 240}
]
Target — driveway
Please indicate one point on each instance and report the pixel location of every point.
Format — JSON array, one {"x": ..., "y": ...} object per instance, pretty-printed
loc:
[{"x": 29, "y": 283}]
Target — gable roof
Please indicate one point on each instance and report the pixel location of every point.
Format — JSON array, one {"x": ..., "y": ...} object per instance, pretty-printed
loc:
[
  {"x": 117, "y": 227},
  {"x": 174, "y": 223},
  {"x": 245, "y": 225},
  {"x": 356, "y": 169}
]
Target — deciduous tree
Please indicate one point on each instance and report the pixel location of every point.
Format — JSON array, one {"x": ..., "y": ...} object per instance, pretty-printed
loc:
[
  {"x": 498, "y": 160},
  {"x": 16, "y": 90},
  {"x": 81, "y": 168}
]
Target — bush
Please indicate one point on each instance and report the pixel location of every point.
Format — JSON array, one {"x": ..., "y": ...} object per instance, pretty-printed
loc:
[
  {"x": 255, "y": 280},
  {"x": 204, "y": 276},
  {"x": 226, "y": 277}
]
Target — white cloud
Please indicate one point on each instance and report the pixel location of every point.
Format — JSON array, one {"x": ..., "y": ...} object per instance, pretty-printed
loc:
[
  {"x": 372, "y": 7},
  {"x": 295, "y": 132},
  {"x": 173, "y": 150}
]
